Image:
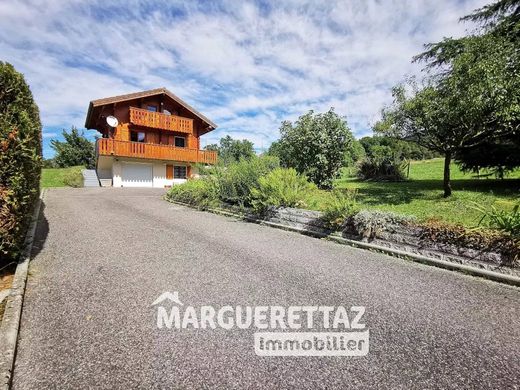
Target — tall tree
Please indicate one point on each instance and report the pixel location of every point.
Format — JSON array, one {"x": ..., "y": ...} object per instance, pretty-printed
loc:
[
  {"x": 471, "y": 97},
  {"x": 75, "y": 150},
  {"x": 486, "y": 69},
  {"x": 230, "y": 150},
  {"x": 315, "y": 145},
  {"x": 425, "y": 118}
]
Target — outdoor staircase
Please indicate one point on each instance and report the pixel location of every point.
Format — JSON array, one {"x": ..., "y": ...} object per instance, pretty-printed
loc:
[{"x": 90, "y": 178}]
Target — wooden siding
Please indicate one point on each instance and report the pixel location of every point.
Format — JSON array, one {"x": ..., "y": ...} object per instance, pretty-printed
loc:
[
  {"x": 112, "y": 147},
  {"x": 157, "y": 120}
]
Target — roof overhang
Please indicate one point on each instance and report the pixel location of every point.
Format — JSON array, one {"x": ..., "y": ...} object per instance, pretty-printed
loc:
[{"x": 139, "y": 95}]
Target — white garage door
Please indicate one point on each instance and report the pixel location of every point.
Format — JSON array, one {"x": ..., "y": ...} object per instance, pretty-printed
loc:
[{"x": 137, "y": 175}]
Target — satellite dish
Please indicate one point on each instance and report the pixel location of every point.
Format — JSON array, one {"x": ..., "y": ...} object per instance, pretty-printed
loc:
[{"x": 112, "y": 121}]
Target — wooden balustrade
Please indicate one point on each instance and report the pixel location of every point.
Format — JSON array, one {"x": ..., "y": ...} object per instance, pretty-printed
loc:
[
  {"x": 112, "y": 147},
  {"x": 157, "y": 120}
]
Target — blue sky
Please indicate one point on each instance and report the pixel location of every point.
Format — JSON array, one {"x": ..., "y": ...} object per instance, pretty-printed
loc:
[{"x": 247, "y": 65}]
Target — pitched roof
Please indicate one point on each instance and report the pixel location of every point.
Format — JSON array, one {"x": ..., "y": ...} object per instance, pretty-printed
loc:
[{"x": 144, "y": 94}]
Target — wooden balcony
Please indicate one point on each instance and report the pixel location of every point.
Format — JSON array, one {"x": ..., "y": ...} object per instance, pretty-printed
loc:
[
  {"x": 111, "y": 147},
  {"x": 157, "y": 120}
]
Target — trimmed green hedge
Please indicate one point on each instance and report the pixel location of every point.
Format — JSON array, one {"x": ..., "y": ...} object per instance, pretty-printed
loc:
[{"x": 20, "y": 159}]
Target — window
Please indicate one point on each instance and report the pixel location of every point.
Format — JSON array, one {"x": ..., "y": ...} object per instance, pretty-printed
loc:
[
  {"x": 179, "y": 172},
  {"x": 180, "y": 142},
  {"x": 151, "y": 108},
  {"x": 137, "y": 136}
]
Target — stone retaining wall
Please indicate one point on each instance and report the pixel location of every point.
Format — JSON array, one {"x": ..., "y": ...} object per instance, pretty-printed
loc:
[{"x": 395, "y": 236}]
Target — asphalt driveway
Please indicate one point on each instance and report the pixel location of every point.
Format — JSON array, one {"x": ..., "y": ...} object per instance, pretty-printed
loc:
[{"x": 106, "y": 254}]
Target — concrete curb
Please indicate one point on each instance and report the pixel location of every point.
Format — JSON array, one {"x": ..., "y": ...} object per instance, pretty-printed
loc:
[
  {"x": 491, "y": 275},
  {"x": 13, "y": 310}
]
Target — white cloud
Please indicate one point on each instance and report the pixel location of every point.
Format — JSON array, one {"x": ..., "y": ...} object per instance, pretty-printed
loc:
[{"x": 247, "y": 66}]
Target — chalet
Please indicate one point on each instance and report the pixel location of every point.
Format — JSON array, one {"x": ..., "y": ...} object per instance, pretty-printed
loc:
[{"x": 148, "y": 139}]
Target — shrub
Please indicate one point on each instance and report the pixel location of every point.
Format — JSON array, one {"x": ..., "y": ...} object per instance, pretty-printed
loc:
[
  {"x": 280, "y": 187},
  {"x": 20, "y": 159},
  {"x": 231, "y": 184},
  {"x": 381, "y": 169},
  {"x": 73, "y": 178},
  {"x": 339, "y": 206},
  {"x": 197, "y": 192},
  {"x": 236, "y": 181},
  {"x": 49, "y": 163},
  {"x": 315, "y": 145}
]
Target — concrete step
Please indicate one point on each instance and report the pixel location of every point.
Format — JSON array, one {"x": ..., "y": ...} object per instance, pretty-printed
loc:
[{"x": 90, "y": 178}]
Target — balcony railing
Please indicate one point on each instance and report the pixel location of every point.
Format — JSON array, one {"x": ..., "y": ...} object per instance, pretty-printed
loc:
[
  {"x": 157, "y": 120},
  {"x": 111, "y": 147}
]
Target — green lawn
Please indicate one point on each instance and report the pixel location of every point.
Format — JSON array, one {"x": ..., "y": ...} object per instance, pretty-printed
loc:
[
  {"x": 422, "y": 194},
  {"x": 53, "y": 177}
]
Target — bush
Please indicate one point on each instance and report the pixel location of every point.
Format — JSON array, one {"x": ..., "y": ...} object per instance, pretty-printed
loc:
[
  {"x": 197, "y": 192},
  {"x": 236, "y": 181},
  {"x": 74, "y": 178},
  {"x": 230, "y": 184},
  {"x": 338, "y": 207},
  {"x": 381, "y": 170},
  {"x": 280, "y": 187},
  {"x": 315, "y": 146},
  {"x": 49, "y": 163},
  {"x": 20, "y": 159}
]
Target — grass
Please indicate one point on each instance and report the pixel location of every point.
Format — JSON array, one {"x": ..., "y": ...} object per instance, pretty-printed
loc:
[
  {"x": 54, "y": 177},
  {"x": 421, "y": 195}
]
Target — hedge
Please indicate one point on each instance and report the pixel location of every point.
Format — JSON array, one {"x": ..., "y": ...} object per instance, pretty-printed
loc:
[{"x": 20, "y": 159}]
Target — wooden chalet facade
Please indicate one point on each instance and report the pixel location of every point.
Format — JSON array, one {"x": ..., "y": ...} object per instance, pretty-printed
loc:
[{"x": 155, "y": 143}]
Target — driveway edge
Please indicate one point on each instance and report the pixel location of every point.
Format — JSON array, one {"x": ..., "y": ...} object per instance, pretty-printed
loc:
[
  {"x": 466, "y": 269},
  {"x": 13, "y": 309}
]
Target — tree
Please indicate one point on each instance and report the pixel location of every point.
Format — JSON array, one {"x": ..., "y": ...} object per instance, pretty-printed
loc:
[
  {"x": 20, "y": 159},
  {"x": 499, "y": 158},
  {"x": 429, "y": 117},
  {"x": 276, "y": 150},
  {"x": 75, "y": 150},
  {"x": 394, "y": 148},
  {"x": 230, "y": 150},
  {"x": 315, "y": 145},
  {"x": 484, "y": 69},
  {"x": 354, "y": 153},
  {"x": 471, "y": 98}
]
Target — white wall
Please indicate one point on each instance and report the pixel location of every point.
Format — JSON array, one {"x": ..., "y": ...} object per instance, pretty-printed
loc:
[
  {"x": 117, "y": 172},
  {"x": 104, "y": 167}
]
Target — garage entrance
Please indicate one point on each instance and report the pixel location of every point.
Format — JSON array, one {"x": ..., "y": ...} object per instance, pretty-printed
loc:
[{"x": 137, "y": 175}]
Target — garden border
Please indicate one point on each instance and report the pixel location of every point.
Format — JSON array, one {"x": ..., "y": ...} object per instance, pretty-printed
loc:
[
  {"x": 13, "y": 309},
  {"x": 452, "y": 266}
]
